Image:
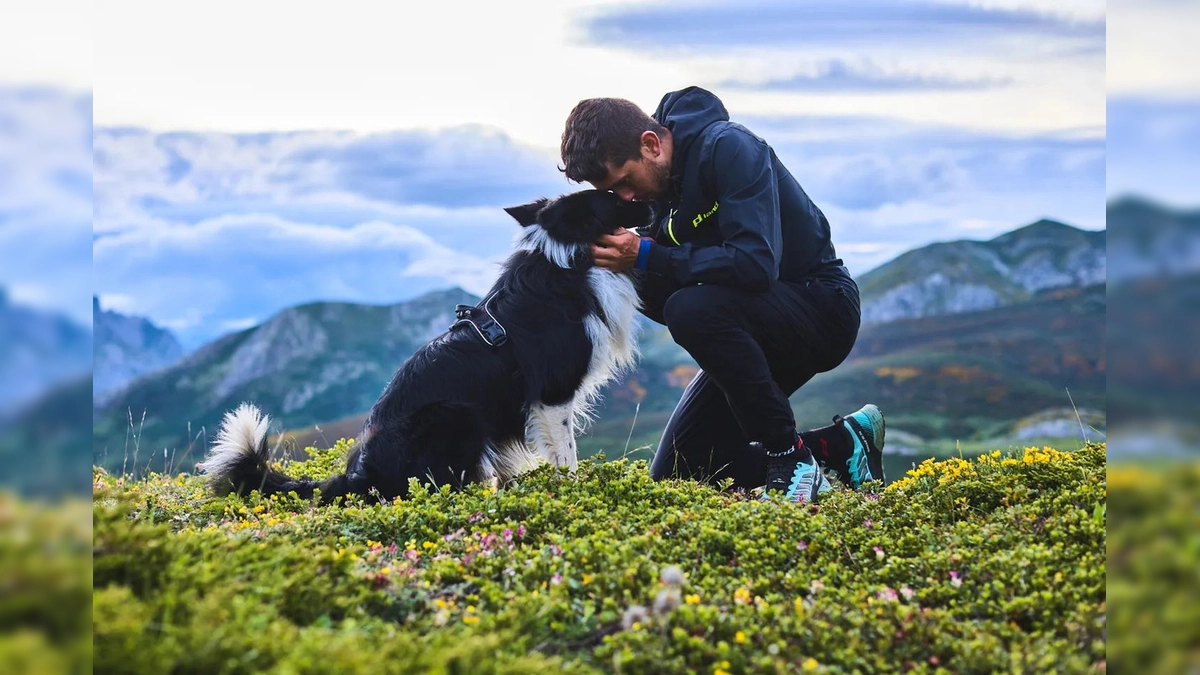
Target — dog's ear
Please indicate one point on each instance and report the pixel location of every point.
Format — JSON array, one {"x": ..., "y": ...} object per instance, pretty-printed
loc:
[{"x": 526, "y": 214}]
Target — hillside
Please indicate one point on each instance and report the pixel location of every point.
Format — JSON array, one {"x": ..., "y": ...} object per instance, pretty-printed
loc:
[
  {"x": 45, "y": 444},
  {"x": 971, "y": 376},
  {"x": 993, "y": 565},
  {"x": 963, "y": 276},
  {"x": 305, "y": 364}
]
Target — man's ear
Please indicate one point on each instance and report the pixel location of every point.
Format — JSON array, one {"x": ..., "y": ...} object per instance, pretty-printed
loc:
[
  {"x": 526, "y": 214},
  {"x": 651, "y": 145}
]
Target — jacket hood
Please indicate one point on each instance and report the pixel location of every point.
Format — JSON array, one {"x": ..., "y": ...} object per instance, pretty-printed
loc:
[{"x": 687, "y": 113}]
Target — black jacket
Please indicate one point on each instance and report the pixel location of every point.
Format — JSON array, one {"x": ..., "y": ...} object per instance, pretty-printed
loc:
[{"x": 733, "y": 213}]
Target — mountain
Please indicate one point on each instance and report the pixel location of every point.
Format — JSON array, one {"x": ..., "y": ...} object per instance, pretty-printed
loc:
[
  {"x": 964, "y": 276},
  {"x": 306, "y": 364},
  {"x": 1148, "y": 240},
  {"x": 38, "y": 350},
  {"x": 967, "y": 374},
  {"x": 125, "y": 348},
  {"x": 44, "y": 445},
  {"x": 1154, "y": 293}
]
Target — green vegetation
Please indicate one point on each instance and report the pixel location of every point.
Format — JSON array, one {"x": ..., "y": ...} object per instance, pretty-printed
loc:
[
  {"x": 1154, "y": 567},
  {"x": 45, "y": 592},
  {"x": 996, "y": 564}
]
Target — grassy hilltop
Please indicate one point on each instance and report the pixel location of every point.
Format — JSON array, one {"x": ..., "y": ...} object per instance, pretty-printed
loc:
[{"x": 961, "y": 566}]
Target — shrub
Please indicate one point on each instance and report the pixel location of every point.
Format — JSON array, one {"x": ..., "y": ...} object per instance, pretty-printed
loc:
[
  {"x": 995, "y": 564},
  {"x": 1154, "y": 573}
]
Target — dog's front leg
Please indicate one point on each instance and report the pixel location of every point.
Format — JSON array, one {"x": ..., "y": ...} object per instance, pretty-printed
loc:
[{"x": 551, "y": 433}]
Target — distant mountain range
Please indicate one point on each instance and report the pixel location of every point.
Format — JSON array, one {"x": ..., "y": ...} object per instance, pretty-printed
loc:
[
  {"x": 45, "y": 364},
  {"x": 305, "y": 365},
  {"x": 38, "y": 350},
  {"x": 1149, "y": 240},
  {"x": 962, "y": 340},
  {"x": 967, "y": 276},
  {"x": 127, "y": 347}
]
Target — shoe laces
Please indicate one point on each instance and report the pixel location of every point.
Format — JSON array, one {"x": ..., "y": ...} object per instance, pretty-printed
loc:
[{"x": 780, "y": 471}]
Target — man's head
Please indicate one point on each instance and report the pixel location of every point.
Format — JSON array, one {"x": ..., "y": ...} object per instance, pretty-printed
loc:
[{"x": 613, "y": 145}]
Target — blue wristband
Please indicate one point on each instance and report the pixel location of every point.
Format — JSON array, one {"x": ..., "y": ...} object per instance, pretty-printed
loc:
[{"x": 643, "y": 254}]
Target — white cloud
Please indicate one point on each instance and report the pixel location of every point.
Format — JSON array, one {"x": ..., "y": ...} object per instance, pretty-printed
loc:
[
  {"x": 207, "y": 278},
  {"x": 373, "y": 66},
  {"x": 45, "y": 198},
  {"x": 1152, "y": 48},
  {"x": 47, "y": 43}
]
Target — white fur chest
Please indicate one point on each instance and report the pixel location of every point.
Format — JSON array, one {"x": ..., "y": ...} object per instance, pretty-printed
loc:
[{"x": 614, "y": 337}]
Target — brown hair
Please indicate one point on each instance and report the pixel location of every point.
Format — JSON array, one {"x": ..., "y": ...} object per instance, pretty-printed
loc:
[{"x": 602, "y": 131}]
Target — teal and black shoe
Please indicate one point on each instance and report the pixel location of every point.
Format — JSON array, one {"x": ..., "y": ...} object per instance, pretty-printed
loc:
[
  {"x": 797, "y": 475},
  {"x": 866, "y": 427}
]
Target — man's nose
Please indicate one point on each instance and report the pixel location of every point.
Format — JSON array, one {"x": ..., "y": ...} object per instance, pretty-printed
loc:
[{"x": 625, "y": 193}]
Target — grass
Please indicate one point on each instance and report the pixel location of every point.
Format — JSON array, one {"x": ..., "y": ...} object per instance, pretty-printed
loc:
[{"x": 996, "y": 563}]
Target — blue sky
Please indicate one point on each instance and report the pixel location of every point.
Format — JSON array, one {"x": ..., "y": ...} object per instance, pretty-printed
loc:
[{"x": 364, "y": 155}]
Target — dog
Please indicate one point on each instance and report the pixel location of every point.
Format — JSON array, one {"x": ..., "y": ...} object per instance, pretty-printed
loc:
[{"x": 503, "y": 390}]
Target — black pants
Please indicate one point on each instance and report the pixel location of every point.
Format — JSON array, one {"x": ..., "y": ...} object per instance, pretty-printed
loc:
[{"x": 754, "y": 349}]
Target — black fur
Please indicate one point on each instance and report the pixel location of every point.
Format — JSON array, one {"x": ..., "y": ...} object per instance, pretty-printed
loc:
[{"x": 457, "y": 396}]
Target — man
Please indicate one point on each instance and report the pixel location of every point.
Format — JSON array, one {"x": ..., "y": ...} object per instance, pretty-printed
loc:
[{"x": 741, "y": 269}]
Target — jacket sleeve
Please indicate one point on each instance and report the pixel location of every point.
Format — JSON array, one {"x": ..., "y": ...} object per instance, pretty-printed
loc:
[{"x": 746, "y": 189}]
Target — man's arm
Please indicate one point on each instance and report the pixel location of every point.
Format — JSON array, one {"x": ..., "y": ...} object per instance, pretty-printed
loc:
[{"x": 748, "y": 193}]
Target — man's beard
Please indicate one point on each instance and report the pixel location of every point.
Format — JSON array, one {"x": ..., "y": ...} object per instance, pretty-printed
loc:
[{"x": 662, "y": 177}]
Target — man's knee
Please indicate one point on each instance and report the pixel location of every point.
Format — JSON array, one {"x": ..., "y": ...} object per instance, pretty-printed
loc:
[{"x": 691, "y": 312}]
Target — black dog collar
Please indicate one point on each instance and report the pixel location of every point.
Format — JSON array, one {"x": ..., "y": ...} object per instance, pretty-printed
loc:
[{"x": 482, "y": 320}]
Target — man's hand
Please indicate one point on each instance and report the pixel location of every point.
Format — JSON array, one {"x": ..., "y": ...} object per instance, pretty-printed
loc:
[{"x": 616, "y": 252}]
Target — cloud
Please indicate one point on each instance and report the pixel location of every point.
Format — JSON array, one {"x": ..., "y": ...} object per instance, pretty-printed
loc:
[
  {"x": 866, "y": 163},
  {"x": 460, "y": 167},
  {"x": 839, "y": 76},
  {"x": 46, "y": 198},
  {"x": 203, "y": 232},
  {"x": 935, "y": 26},
  {"x": 1154, "y": 148},
  {"x": 205, "y": 278},
  {"x": 205, "y": 229},
  {"x": 888, "y": 186}
]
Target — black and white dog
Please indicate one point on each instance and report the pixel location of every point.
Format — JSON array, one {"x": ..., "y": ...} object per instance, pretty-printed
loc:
[{"x": 503, "y": 390}]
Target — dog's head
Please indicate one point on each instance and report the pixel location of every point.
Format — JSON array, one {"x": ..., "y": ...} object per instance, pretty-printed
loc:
[{"x": 581, "y": 217}]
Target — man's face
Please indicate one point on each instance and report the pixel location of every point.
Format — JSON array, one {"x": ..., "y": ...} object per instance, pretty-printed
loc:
[{"x": 644, "y": 178}]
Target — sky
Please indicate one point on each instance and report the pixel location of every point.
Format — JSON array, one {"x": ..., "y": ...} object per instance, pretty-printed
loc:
[{"x": 253, "y": 156}]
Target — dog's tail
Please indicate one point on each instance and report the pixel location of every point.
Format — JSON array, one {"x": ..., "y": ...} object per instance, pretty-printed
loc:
[{"x": 238, "y": 461}]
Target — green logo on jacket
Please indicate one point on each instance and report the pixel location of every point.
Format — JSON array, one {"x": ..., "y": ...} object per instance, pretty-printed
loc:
[{"x": 701, "y": 218}]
